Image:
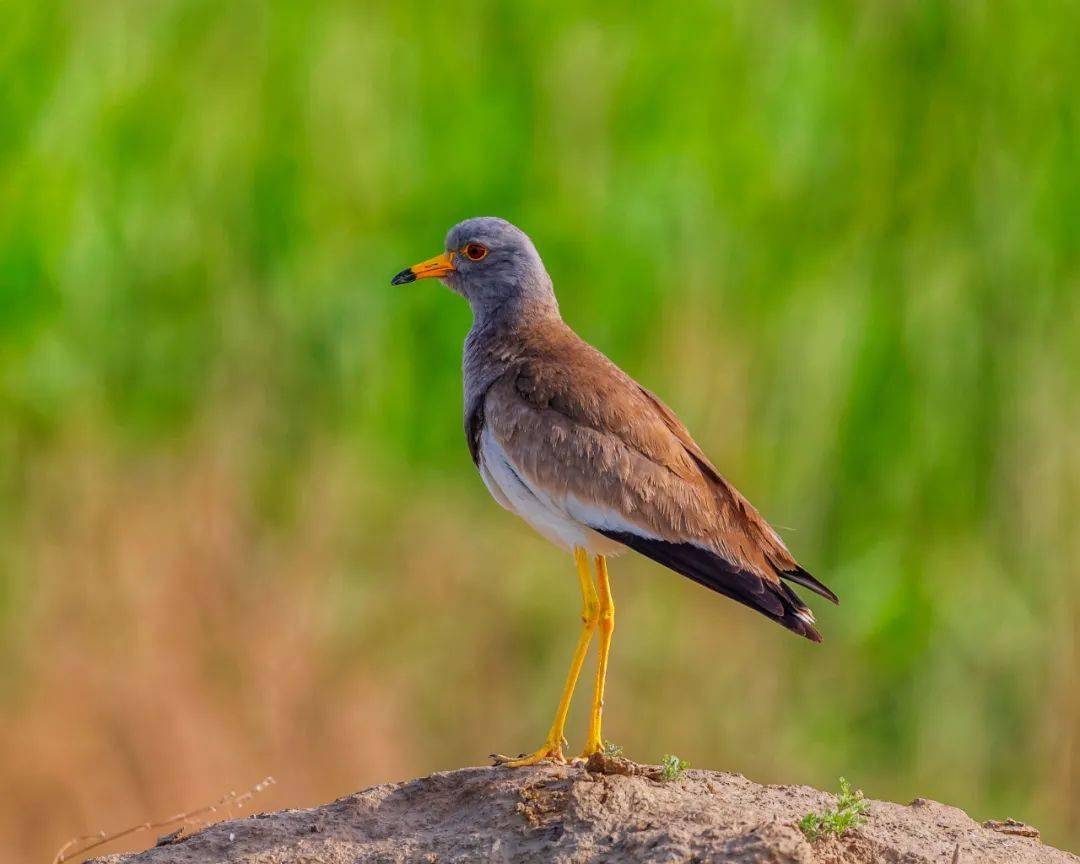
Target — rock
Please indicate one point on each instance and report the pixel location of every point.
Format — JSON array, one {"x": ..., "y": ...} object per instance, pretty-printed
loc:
[
  {"x": 568, "y": 814},
  {"x": 1011, "y": 826}
]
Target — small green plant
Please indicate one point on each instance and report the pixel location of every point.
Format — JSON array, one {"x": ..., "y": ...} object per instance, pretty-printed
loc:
[
  {"x": 850, "y": 812},
  {"x": 672, "y": 767},
  {"x": 611, "y": 749}
]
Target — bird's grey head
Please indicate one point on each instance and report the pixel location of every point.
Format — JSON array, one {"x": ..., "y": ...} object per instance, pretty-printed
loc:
[{"x": 492, "y": 264}]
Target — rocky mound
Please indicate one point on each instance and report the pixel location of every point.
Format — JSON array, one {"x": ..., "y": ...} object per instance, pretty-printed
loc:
[{"x": 616, "y": 812}]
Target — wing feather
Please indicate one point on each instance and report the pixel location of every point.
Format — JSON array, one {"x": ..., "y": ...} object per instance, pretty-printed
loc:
[{"x": 612, "y": 455}]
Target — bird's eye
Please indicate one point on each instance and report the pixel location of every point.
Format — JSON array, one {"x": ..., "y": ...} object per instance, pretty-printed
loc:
[{"x": 475, "y": 251}]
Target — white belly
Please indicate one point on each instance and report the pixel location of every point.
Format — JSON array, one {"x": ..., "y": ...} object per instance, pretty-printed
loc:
[{"x": 547, "y": 516}]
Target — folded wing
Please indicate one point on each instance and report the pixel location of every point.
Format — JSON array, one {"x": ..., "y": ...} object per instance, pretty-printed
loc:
[{"x": 608, "y": 453}]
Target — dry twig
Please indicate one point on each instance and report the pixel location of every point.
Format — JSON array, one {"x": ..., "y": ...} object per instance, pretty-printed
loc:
[{"x": 190, "y": 818}]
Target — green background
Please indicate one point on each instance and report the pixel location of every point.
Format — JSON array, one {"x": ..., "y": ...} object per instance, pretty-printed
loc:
[{"x": 240, "y": 533}]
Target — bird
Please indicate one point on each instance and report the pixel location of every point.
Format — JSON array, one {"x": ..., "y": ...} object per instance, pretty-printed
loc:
[{"x": 593, "y": 461}]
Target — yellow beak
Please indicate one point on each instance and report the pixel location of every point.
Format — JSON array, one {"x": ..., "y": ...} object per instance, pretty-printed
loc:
[{"x": 435, "y": 267}]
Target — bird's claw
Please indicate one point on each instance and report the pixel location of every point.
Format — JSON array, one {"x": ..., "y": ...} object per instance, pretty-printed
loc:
[
  {"x": 548, "y": 753},
  {"x": 591, "y": 750}
]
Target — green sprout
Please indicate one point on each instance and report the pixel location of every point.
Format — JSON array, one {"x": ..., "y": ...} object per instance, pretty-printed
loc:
[
  {"x": 850, "y": 812},
  {"x": 611, "y": 749},
  {"x": 672, "y": 767}
]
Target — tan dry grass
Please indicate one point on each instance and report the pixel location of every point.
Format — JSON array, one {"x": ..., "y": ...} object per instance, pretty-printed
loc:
[{"x": 179, "y": 643}]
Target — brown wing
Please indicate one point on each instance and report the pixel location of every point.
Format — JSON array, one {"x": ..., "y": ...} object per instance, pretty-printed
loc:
[
  {"x": 750, "y": 524},
  {"x": 615, "y": 457}
]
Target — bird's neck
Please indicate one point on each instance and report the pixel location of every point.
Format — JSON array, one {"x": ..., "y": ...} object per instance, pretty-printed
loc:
[
  {"x": 530, "y": 302},
  {"x": 501, "y": 334},
  {"x": 515, "y": 315}
]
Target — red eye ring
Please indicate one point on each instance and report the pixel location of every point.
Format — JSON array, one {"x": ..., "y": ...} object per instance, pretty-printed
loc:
[{"x": 474, "y": 251}]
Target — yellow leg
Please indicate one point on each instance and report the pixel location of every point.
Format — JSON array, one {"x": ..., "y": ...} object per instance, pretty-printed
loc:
[
  {"x": 594, "y": 743},
  {"x": 553, "y": 745}
]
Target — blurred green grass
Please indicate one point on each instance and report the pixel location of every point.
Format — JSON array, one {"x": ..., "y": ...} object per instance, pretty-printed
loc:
[{"x": 840, "y": 239}]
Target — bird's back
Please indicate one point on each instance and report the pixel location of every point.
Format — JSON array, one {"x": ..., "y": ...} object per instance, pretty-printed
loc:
[{"x": 587, "y": 440}]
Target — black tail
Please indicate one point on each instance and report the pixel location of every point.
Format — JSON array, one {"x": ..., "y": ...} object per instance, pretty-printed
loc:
[
  {"x": 774, "y": 600},
  {"x": 801, "y": 577}
]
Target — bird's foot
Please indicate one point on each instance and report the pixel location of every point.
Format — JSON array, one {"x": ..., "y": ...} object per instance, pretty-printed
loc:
[
  {"x": 592, "y": 748},
  {"x": 551, "y": 752}
]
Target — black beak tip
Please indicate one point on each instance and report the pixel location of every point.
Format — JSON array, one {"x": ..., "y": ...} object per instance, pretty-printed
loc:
[{"x": 404, "y": 276}]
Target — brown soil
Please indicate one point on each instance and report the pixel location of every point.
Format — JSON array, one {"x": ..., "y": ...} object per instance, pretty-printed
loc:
[{"x": 570, "y": 814}]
